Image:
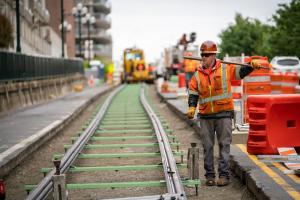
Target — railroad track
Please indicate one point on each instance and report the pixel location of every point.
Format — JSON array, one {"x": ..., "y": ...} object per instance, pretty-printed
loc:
[{"x": 123, "y": 147}]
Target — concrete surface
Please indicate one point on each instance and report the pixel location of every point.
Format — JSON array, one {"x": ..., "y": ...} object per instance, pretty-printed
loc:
[{"x": 24, "y": 131}]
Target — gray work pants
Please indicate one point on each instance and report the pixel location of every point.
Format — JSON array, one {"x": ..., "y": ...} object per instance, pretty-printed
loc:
[{"x": 222, "y": 128}]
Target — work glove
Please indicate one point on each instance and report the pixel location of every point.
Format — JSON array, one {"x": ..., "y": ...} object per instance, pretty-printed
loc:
[
  {"x": 255, "y": 64},
  {"x": 191, "y": 112}
]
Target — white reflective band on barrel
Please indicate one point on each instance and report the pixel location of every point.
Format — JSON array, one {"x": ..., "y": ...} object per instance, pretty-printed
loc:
[
  {"x": 276, "y": 83},
  {"x": 236, "y": 89},
  {"x": 193, "y": 92},
  {"x": 224, "y": 79},
  {"x": 198, "y": 80},
  {"x": 215, "y": 98},
  {"x": 288, "y": 84},
  {"x": 250, "y": 79}
]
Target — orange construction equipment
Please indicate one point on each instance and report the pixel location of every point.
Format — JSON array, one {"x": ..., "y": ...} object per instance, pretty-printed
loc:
[
  {"x": 274, "y": 122},
  {"x": 181, "y": 80}
]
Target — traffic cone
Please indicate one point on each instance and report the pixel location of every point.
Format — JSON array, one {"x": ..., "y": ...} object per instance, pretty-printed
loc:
[
  {"x": 165, "y": 87},
  {"x": 91, "y": 81},
  {"x": 2, "y": 190}
]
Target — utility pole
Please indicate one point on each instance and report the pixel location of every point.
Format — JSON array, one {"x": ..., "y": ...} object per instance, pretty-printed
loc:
[
  {"x": 18, "y": 28},
  {"x": 62, "y": 29},
  {"x": 79, "y": 11},
  {"x": 89, "y": 40}
]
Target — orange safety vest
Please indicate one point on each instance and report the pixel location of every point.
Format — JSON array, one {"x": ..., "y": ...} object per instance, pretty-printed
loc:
[
  {"x": 190, "y": 65},
  {"x": 214, "y": 88}
]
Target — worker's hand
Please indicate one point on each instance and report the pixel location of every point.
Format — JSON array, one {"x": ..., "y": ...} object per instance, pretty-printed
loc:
[
  {"x": 190, "y": 114},
  {"x": 255, "y": 64}
]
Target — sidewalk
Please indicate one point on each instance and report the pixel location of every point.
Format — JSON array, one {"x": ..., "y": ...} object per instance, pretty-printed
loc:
[{"x": 23, "y": 131}]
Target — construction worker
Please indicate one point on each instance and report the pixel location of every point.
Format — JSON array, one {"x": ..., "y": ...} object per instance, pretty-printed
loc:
[
  {"x": 183, "y": 41},
  {"x": 211, "y": 87},
  {"x": 190, "y": 67}
]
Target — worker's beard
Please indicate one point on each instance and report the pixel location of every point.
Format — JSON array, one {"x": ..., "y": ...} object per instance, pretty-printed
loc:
[{"x": 208, "y": 65}]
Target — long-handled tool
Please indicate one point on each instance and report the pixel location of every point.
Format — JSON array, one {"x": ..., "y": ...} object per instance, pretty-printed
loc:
[{"x": 225, "y": 62}]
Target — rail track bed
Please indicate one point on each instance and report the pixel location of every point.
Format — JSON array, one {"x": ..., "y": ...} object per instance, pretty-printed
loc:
[{"x": 125, "y": 150}]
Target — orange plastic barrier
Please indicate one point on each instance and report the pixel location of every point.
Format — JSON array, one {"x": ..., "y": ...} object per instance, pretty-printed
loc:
[
  {"x": 181, "y": 80},
  {"x": 289, "y": 81},
  {"x": 258, "y": 82},
  {"x": 274, "y": 122}
]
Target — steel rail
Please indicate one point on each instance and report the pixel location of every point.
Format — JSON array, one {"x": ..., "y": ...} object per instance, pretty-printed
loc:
[
  {"x": 173, "y": 181},
  {"x": 45, "y": 187}
]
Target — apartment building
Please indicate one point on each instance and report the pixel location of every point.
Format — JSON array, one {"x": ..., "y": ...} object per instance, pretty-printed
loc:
[
  {"x": 40, "y": 21},
  {"x": 101, "y": 45}
]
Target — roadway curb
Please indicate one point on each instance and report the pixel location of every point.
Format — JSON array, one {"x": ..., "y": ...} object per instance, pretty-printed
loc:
[{"x": 18, "y": 153}]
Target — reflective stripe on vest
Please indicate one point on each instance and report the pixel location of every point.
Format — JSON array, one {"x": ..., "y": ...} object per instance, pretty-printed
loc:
[
  {"x": 215, "y": 98},
  {"x": 198, "y": 80},
  {"x": 250, "y": 79},
  {"x": 224, "y": 79},
  {"x": 193, "y": 92}
]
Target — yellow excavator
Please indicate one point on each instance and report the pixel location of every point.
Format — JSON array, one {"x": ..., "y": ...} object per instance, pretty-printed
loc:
[{"x": 135, "y": 68}]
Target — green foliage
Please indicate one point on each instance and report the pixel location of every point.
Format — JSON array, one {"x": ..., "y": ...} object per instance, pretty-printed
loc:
[
  {"x": 6, "y": 32},
  {"x": 285, "y": 39},
  {"x": 247, "y": 36},
  {"x": 251, "y": 37}
]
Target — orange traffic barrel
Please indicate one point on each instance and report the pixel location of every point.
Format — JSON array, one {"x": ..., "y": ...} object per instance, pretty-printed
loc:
[
  {"x": 236, "y": 89},
  {"x": 274, "y": 122},
  {"x": 289, "y": 82},
  {"x": 297, "y": 89},
  {"x": 276, "y": 81},
  {"x": 181, "y": 80}
]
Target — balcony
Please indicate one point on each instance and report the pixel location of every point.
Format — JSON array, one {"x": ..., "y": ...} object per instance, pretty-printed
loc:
[
  {"x": 102, "y": 21},
  {"x": 99, "y": 50},
  {"x": 42, "y": 12},
  {"x": 99, "y": 37}
]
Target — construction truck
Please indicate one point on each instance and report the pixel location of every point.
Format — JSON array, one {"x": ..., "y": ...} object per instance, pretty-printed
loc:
[
  {"x": 135, "y": 67},
  {"x": 173, "y": 56}
]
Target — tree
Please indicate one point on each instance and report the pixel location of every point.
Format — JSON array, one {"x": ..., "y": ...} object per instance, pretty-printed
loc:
[
  {"x": 285, "y": 38},
  {"x": 6, "y": 35},
  {"x": 247, "y": 36}
]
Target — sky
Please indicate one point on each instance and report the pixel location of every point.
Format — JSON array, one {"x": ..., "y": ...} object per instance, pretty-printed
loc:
[{"x": 156, "y": 24}]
